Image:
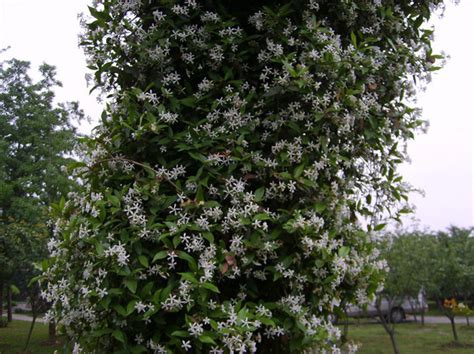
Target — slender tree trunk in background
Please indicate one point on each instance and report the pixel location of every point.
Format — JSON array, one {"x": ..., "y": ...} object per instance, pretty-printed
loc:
[
  {"x": 387, "y": 322},
  {"x": 1, "y": 298},
  {"x": 31, "y": 330},
  {"x": 449, "y": 315},
  {"x": 413, "y": 309},
  {"x": 467, "y": 320},
  {"x": 453, "y": 327},
  {"x": 422, "y": 317},
  {"x": 9, "y": 305},
  {"x": 394, "y": 342}
]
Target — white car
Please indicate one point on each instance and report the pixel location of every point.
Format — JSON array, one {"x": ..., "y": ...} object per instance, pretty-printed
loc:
[{"x": 397, "y": 310}]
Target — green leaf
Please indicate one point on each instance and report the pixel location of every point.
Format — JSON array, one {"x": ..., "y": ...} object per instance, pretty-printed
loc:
[
  {"x": 188, "y": 102},
  {"x": 160, "y": 255},
  {"x": 131, "y": 284},
  {"x": 320, "y": 207},
  {"x": 206, "y": 339},
  {"x": 116, "y": 291},
  {"x": 211, "y": 287},
  {"x": 101, "y": 332},
  {"x": 14, "y": 289},
  {"x": 189, "y": 276},
  {"x": 208, "y": 236},
  {"x": 299, "y": 170},
  {"x": 156, "y": 296},
  {"x": 191, "y": 261},
  {"x": 119, "y": 335},
  {"x": 120, "y": 309},
  {"x": 114, "y": 200},
  {"x": 181, "y": 334},
  {"x": 197, "y": 156},
  {"x": 200, "y": 194},
  {"x": 343, "y": 251},
  {"x": 131, "y": 307},
  {"x": 44, "y": 264},
  {"x": 176, "y": 241},
  {"x": 166, "y": 291},
  {"x": 143, "y": 260},
  {"x": 266, "y": 321},
  {"x": 262, "y": 216},
  {"x": 259, "y": 194},
  {"x": 354, "y": 39},
  {"x": 379, "y": 227}
]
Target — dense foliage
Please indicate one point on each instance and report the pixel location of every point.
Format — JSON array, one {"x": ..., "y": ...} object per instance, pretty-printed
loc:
[
  {"x": 35, "y": 135},
  {"x": 440, "y": 264},
  {"x": 241, "y": 144}
]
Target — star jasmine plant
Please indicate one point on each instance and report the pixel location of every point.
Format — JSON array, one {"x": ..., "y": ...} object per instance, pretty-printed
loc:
[{"x": 241, "y": 148}]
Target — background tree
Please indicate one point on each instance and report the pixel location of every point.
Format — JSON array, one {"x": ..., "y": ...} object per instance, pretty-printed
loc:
[
  {"x": 440, "y": 263},
  {"x": 240, "y": 145},
  {"x": 37, "y": 138},
  {"x": 452, "y": 272},
  {"x": 409, "y": 266}
]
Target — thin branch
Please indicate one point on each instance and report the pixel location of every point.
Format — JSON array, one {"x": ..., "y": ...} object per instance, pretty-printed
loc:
[{"x": 138, "y": 164}]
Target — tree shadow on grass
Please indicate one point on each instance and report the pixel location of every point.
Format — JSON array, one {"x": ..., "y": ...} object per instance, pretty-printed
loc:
[{"x": 457, "y": 345}]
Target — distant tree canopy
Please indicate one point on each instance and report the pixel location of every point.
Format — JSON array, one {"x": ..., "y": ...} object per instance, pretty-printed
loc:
[
  {"x": 36, "y": 138},
  {"x": 241, "y": 143},
  {"x": 441, "y": 263}
]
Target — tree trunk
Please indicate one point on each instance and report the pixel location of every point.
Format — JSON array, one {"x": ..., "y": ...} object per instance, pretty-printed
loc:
[
  {"x": 345, "y": 333},
  {"x": 413, "y": 309},
  {"x": 453, "y": 327},
  {"x": 52, "y": 331},
  {"x": 394, "y": 342},
  {"x": 387, "y": 323},
  {"x": 423, "y": 317},
  {"x": 34, "y": 311},
  {"x": 467, "y": 320},
  {"x": 449, "y": 315},
  {"x": 9, "y": 305}
]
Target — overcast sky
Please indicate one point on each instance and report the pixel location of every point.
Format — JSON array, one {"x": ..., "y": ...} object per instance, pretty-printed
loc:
[{"x": 442, "y": 160}]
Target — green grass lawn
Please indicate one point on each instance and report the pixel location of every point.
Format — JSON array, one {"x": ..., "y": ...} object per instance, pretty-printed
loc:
[
  {"x": 433, "y": 309},
  {"x": 412, "y": 338},
  {"x": 13, "y": 338}
]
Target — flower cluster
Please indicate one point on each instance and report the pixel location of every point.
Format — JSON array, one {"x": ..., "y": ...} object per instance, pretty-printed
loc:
[{"x": 242, "y": 144}]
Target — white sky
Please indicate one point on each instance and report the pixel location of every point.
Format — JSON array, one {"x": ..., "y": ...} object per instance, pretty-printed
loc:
[{"x": 442, "y": 160}]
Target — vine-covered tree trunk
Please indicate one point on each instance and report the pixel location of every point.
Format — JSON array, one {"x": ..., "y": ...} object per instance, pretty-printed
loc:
[
  {"x": 52, "y": 331},
  {"x": 223, "y": 188}
]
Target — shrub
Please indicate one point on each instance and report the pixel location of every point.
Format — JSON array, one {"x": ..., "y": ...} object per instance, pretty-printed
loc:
[
  {"x": 241, "y": 143},
  {"x": 3, "y": 322}
]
